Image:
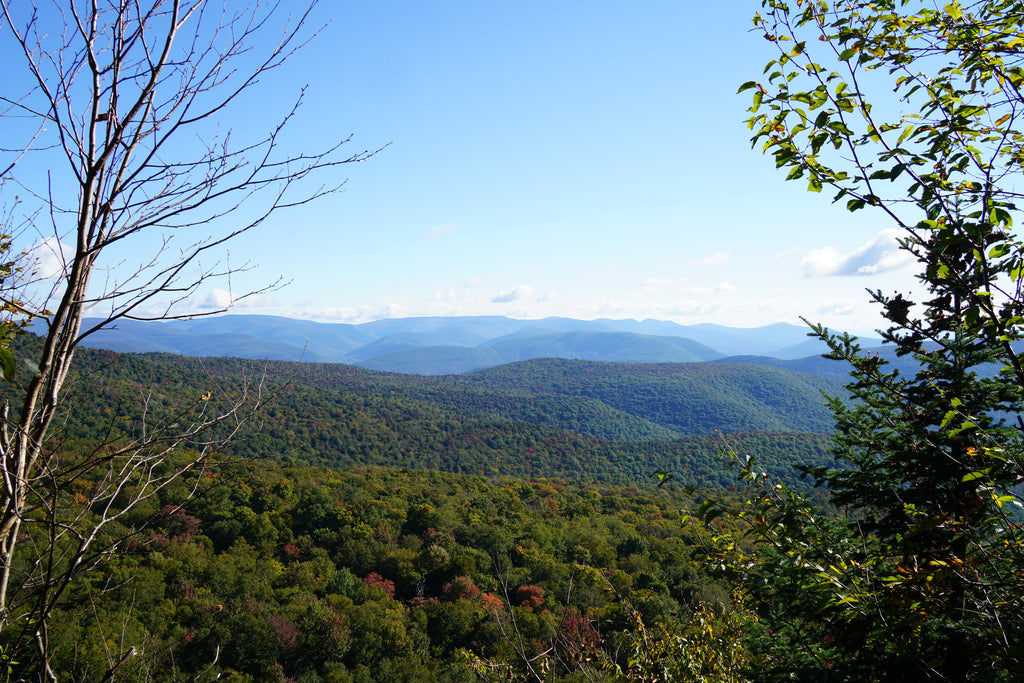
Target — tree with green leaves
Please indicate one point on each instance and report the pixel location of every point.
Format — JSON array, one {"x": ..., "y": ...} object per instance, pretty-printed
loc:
[{"x": 912, "y": 109}]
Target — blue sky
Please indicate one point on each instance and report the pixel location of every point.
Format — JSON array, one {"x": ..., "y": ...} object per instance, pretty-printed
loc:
[{"x": 583, "y": 159}]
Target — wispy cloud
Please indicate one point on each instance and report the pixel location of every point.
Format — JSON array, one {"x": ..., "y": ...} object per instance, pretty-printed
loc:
[
  {"x": 439, "y": 230},
  {"x": 659, "y": 310},
  {"x": 839, "y": 308},
  {"x": 355, "y": 314},
  {"x": 518, "y": 294},
  {"x": 716, "y": 259},
  {"x": 46, "y": 258},
  {"x": 218, "y": 298},
  {"x": 221, "y": 298},
  {"x": 879, "y": 255},
  {"x": 656, "y": 285},
  {"x": 779, "y": 255}
]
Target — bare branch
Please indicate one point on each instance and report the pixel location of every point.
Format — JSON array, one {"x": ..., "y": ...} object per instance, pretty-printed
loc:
[{"x": 125, "y": 102}]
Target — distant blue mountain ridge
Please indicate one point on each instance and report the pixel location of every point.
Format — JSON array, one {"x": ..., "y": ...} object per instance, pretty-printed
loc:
[{"x": 455, "y": 345}]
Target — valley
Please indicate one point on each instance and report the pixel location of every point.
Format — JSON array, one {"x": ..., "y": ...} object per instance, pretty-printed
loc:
[{"x": 365, "y": 524}]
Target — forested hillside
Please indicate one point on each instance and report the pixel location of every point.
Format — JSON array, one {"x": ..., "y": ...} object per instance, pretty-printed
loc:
[
  {"x": 167, "y": 518},
  {"x": 280, "y": 572},
  {"x": 495, "y": 522},
  {"x": 576, "y": 419},
  {"x": 690, "y": 398}
]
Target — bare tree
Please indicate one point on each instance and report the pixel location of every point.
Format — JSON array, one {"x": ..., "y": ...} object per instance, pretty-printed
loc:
[{"x": 124, "y": 105}]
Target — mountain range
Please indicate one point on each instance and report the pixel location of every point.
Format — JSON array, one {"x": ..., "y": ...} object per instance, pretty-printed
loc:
[{"x": 455, "y": 345}]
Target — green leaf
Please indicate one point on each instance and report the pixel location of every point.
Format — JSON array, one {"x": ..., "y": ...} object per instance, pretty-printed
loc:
[
  {"x": 998, "y": 251},
  {"x": 7, "y": 364}
]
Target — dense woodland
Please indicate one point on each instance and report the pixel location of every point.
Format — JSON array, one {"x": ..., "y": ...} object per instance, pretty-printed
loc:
[
  {"x": 549, "y": 520},
  {"x": 461, "y": 529},
  {"x": 287, "y": 572},
  {"x": 575, "y": 419}
]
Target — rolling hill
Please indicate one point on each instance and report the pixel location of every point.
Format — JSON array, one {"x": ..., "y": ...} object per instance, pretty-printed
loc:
[{"x": 542, "y": 417}]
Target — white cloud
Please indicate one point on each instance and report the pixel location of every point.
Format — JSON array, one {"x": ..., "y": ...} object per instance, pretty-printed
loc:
[
  {"x": 656, "y": 285},
  {"x": 879, "y": 255},
  {"x": 682, "y": 309},
  {"x": 659, "y": 310},
  {"x": 703, "y": 291},
  {"x": 216, "y": 299},
  {"x": 439, "y": 230},
  {"x": 445, "y": 295},
  {"x": 780, "y": 255},
  {"x": 840, "y": 308},
  {"x": 222, "y": 299},
  {"x": 716, "y": 259},
  {"x": 354, "y": 314},
  {"x": 518, "y": 294},
  {"x": 335, "y": 314},
  {"x": 46, "y": 258}
]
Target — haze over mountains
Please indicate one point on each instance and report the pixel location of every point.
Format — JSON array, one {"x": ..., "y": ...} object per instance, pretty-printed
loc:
[{"x": 454, "y": 345}]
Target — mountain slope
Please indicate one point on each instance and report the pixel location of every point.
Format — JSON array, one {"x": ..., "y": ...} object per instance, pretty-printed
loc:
[
  {"x": 433, "y": 360},
  {"x": 536, "y": 418},
  {"x": 603, "y": 346},
  {"x": 690, "y": 398}
]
